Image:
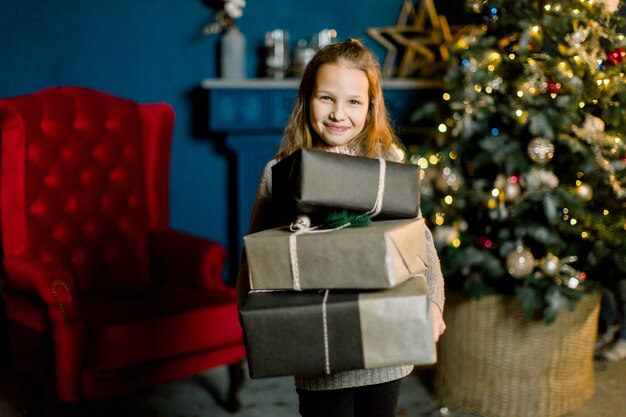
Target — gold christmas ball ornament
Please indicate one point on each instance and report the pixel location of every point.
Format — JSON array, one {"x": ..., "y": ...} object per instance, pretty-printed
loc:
[
  {"x": 520, "y": 262},
  {"x": 584, "y": 191},
  {"x": 540, "y": 150},
  {"x": 550, "y": 265},
  {"x": 508, "y": 188},
  {"x": 593, "y": 124},
  {"x": 512, "y": 191}
]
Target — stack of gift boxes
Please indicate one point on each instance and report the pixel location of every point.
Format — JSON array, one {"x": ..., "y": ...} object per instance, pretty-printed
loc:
[{"x": 323, "y": 301}]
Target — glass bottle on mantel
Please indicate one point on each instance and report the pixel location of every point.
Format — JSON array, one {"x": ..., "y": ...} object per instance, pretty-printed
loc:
[{"x": 233, "y": 54}]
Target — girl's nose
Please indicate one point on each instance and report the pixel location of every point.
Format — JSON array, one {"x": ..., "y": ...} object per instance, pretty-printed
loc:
[{"x": 337, "y": 114}]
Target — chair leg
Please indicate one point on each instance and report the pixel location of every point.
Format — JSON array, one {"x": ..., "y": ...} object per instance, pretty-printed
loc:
[{"x": 235, "y": 372}]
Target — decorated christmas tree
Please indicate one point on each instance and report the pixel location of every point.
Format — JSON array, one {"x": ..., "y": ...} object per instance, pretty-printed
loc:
[{"x": 526, "y": 181}]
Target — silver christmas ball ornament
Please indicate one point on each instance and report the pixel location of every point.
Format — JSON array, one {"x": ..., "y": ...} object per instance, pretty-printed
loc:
[
  {"x": 520, "y": 262},
  {"x": 540, "y": 150}
]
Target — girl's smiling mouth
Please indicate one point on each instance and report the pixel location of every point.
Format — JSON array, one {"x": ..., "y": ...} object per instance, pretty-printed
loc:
[{"x": 336, "y": 128}]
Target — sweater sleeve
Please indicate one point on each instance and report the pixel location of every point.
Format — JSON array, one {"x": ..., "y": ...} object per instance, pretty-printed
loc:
[
  {"x": 434, "y": 276},
  {"x": 262, "y": 218}
]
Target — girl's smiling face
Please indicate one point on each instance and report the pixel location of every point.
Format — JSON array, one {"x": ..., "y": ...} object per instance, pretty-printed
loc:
[{"x": 339, "y": 104}]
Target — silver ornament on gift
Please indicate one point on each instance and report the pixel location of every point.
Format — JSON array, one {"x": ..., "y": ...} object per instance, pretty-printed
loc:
[
  {"x": 540, "y": 150},
  {"x": 302, "y": 222},
  {"x": 520, "y": 262}
]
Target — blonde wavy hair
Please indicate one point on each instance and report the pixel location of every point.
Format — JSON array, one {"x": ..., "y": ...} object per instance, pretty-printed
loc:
[{"x": 377, "y": 139}]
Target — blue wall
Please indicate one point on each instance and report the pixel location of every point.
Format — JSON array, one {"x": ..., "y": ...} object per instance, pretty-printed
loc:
[{"x": 152, "y": 50}]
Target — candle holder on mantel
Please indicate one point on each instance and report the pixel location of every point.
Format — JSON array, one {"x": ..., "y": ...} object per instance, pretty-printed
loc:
[{"x": 277, "y": 53}]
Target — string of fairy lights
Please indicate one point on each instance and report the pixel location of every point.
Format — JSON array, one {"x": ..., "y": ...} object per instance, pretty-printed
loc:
[{"x": 578, "y": 77}]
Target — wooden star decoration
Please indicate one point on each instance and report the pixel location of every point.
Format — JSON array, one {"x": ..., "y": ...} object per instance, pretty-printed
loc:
[
  {"x": 420, "y": 33},
  {"x": 379, "y": 35}
]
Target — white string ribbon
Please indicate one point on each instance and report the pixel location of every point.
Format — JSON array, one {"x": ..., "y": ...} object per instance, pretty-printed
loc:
[
  {"x": 378, "y": 204},
  {"x": 293, "y": 258},
  {"x": 326, "y": 349}
]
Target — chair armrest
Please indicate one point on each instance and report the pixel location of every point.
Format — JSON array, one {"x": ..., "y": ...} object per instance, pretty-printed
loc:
[
  {"x": 191, "y": 261},
  {"x": 53, "y": 285},
  {"x": 56, "y": 287}
]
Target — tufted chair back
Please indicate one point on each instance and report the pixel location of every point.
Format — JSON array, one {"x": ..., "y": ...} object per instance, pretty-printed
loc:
[
  {"x": 87, "y": 189},
  {"x": 84, "y": 218}
]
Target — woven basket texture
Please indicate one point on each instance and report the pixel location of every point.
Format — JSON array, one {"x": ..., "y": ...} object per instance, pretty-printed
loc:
[{"x": 495, "y": 362}]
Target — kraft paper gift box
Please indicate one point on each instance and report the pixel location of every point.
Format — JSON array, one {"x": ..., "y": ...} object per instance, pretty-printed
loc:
[
  {"x": 315, "y": 182},
  {"x": 374, "y": 257},
  {"x": 292, "y": 333}
]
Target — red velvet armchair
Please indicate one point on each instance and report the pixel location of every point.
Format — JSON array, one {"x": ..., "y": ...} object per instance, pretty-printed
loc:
[{"x": 102, "y": 296}]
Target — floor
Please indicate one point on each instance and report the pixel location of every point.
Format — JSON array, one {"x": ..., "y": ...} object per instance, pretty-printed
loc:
[{"x": 199, "y": 396}]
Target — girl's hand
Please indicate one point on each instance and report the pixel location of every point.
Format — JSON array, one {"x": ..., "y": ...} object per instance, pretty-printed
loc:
[{"x": 439, "y": 326}]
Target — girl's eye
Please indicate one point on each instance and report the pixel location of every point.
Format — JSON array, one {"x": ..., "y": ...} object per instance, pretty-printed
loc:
[
  {"x": 355, "y": 102},
  {"x": 326, "y": 98}
]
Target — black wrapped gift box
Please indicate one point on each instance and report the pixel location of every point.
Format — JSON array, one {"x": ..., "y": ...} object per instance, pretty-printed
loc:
[
  {"x": 290, "y": 333},
  {"x": 316, "y": 182}
]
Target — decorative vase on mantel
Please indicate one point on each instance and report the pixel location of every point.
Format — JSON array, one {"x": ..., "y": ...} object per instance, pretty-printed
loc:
[{"x": 233, "y": 54}]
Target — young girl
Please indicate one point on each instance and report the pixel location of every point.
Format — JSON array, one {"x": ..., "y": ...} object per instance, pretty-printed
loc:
[{"x": 340, "y": 108}]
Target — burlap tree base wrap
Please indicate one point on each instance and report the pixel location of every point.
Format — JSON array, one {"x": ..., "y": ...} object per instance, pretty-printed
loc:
[{"x": 495, "y": 362}]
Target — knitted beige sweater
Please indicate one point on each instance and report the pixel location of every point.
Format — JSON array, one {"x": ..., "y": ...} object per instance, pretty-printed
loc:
[{"x": 263, "y": 218}]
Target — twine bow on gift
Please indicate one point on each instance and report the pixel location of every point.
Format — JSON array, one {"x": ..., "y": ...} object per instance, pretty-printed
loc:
[{"x": 302, "y": 224}]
